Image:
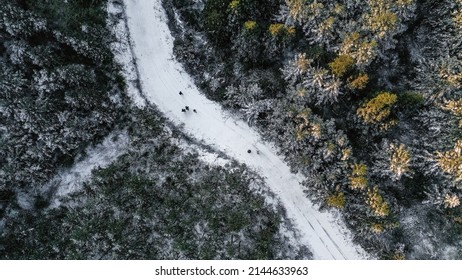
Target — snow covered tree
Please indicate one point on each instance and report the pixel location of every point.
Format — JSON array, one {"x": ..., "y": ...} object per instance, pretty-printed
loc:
[
  {"x": 358, "y": 178},
  {"x": 392, "y": 161},
  {"x": 314, "y": 85},
  {"x": 455, "y": 107},
  {"x": 451, "y": 161},
  {"x": 399, "y": 160},
  {"x": 336, "y": 200},
  {"x": 451, "y": 201},
  {"x": 376, "y": 202},
  {"x": 59, "y": 85}
]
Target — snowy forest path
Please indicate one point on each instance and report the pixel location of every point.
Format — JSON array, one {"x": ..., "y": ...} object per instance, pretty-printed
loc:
[{"x": 161, "y": 80}]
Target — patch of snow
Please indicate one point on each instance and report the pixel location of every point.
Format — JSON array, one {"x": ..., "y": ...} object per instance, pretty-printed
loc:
[
  {"x": 24, "y": 200},
  {"x": 71, "y": 180},
  {"x": 209, "y": 157},
  {"x": 162, "y": 78}
]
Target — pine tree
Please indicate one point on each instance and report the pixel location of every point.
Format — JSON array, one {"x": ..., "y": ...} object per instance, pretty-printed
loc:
[
  {"x": 376, "y": 202},
  {"x": 359, "y": 82},
  {"x": 451, "y": 201},
  {"x": 399, "y": 161},
  {"x": 377, "y": 111},
  {"x": 358, "y": 179},
  {"x": 451, "y": 161},
  {"x": 336, "y": 200},
  {"x": 341, "y": 65}
]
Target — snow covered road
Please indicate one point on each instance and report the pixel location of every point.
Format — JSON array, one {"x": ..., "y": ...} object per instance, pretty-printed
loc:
[{"x": 162, "y": 77}]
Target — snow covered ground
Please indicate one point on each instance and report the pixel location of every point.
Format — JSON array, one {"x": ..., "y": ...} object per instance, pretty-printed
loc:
[
  {"x": 162, "y": 77},
  {"x": 102, "y": 155}
]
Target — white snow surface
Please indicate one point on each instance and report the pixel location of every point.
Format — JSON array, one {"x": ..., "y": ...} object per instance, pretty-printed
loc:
[
  {"x": 102, "y": 155},
  {"x": 162, "y": 77}
]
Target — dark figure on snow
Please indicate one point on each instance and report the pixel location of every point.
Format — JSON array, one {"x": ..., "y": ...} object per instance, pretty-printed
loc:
[
  {"x": 187, "y": 108},
  {"x": 194, "y": 110},
  {"x": 249, "y": 151},
  {"x": 181, "y": 93},
  {"x": 183, "y": 110}
]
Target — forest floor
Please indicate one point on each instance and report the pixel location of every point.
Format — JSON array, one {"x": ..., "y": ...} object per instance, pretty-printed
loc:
[{"x": 162, "y": 78}]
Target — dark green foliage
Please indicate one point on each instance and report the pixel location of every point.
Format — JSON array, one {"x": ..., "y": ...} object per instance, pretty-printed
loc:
[
  {"x": 215, "y": 19},
  {"x": 59, "y": 86},
  {"x": 155, "y": 202},
  {"x": 411, "y": 100}
]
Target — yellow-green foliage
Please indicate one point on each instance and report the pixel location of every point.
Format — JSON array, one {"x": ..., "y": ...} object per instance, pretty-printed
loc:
[
  {"x": 339, "y": 9},
  {"x": 306, "y": 127},
  {"x": 398, "y": 257},
  {"x": 382, "y": 226},
  {"x": 359, "y": 170},
  {"x": 331, "y": 147},
  {"x": 341, "y": 65},
  {"x": 362, "y": 50},
  {"x": 455, "y": 107},
  {"x": 276, "y": 29},
  {"x": 381, "y": 19},
  {"x": 451, "y": 201},
  {"x": 291, "y": 30},
  {"x": 358, "y": 183},
  {"x": 234, "y": 4},
  {"x": 376, "y": 202},
  {"x": 250, "y": 25},
  {"x": 327, "y": 25},
  {"x": 350, "y": 42},
  {"x": 404, "y": 2},
  {"x": 346, "y": 153},
  {"x": 399, "y": 160},
  {"x": 295, "y": 8},
  {"x": 451, "y": 161},
  {"x": 377, "y": 228},
  {"x": 378, "y": 109},
  {"x": 360, "y": 82},
  {"x": 458, "y": 19},
  {"x": 336, "y": 200},
  {"x": 302, "y": 62},
  {"x": 450, "y": 73},
  {"x": 279, "y": 29},
  {"x": 358, "y": 179},
  {"x": 382, "y": 22}
]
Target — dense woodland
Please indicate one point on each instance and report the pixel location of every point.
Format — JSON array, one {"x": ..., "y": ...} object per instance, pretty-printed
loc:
[
  {"x": 60, "y": 93},
  {"x": 362, "y": 97},
  {"x": 59, "y": 88},
  {"x": 157, "y": 201}
]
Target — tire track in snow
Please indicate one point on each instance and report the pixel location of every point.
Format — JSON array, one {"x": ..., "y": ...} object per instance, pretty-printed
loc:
[{"x": 162, "y": 77}]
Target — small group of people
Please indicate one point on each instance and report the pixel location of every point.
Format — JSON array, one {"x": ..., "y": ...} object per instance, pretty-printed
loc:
[{"x": 186, "y": 108}]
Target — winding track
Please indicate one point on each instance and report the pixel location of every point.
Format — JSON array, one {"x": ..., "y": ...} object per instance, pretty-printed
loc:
[{"x": 162, "y": 78}]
